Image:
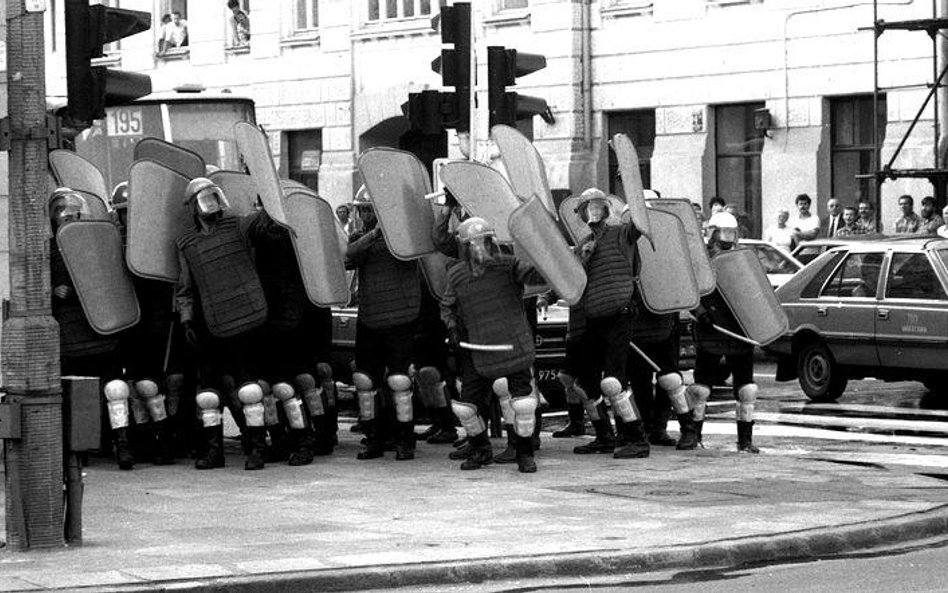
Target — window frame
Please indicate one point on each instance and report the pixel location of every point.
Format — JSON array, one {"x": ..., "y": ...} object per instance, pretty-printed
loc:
[
  {"x": 400, "y": 12},
  {"x": 942, "y": 297},
  {"x": 750, "y": 205},
  {"x": 840, "y": 271},
  {"x": 180, "y": 51},
  {"x": 866, "y": 188},
  {"x": 634, "y": 123}
]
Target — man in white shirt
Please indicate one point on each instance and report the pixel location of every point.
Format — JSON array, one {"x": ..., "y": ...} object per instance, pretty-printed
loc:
[
  {"x": 780, "y": 234},
  {"x": 805, "y": 225}
]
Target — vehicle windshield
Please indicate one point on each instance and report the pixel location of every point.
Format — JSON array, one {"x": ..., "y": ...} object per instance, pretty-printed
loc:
[
  {"x": 773, "y": 261},
  {"x": 204, "y": 126},
  {"x": 808, "y": 253}
]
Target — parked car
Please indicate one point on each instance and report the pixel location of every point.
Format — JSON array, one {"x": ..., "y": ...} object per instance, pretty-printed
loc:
[
  {"x": 872, "y": 308},
  {"x": 807, "y": 251},
  {"x": 779, "y": 265}
]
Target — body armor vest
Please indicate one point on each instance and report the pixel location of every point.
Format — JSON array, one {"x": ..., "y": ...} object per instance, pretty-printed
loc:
[
  {"x": 389, "y": 289},
  {"x": 230, "y": 292},
  {"x": 610, "y": 282},
  {"x": 711, "y": 340},
  {"x": 76, "y": 336},
  {"x": 491, "y": 310}
]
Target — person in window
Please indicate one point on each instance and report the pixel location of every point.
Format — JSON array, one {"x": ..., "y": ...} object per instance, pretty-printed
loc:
[
  {"x": 180, "y": 29},
  {"x": 780, "y": 234},
  {"x": 342, "y": 213},
  {"x": 867, "y": 218},
  {"x": 931, "y": 220},
  {"x": 943, "y": 229},
  {"x": 851, "y": 224},
  {"x": 909, "y": 222},
  {"x": 805, "y": 225},
  {"x": 240, "y": 24},
  {"x": 164, "y": 34}
]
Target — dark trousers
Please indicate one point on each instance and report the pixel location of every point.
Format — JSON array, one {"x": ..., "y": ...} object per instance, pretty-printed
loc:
[
  {"x": 607, "y": 348},
  {"x": 478, "y": 389},
  {"x": 652, "y": 400},
  {"x": 739, "y": 362}
]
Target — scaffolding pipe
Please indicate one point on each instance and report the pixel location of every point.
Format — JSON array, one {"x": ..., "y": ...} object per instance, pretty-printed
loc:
[{"x": 941, "y": 44}]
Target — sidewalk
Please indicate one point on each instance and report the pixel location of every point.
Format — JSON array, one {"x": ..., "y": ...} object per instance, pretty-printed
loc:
[{"x": 345, "y": 524}]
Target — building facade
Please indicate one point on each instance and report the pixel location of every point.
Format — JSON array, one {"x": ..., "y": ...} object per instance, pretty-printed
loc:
[{"x": 754, "y": 101}]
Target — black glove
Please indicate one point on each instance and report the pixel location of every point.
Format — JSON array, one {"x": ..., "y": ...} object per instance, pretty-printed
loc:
[
  {"x": 454, "y": 339},
  {"x": 190, "y": 334},
  {"x": 705, "y": 321},
  {"x": 449, "y": 200}
]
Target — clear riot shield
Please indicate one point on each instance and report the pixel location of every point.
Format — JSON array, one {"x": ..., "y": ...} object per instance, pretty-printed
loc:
[
  {"x": 98, "y": 209},
  {"x": 313, "y": 232},
  {"x": 397, "y": 183},
  {"x": 255, "y": 150},
  {"x": 536, "y": 234},
  {"x": 572, "y": 221},
  {"x": 525, "y": 167},
  {"x": 157, "y": 216},
  {"x": 696, "y": 246},
  {"x": 239, "y": 189},
  {"x": 631, "y": 182},
  {"x": 177, "y": 158},
  {"x": 78, "y": 173},
  {"x": 666, "y": 276},
  {"x": 483, "y": 192},
  {"x": 745, "y": 288},
  {"x": 92, "y": 251}
]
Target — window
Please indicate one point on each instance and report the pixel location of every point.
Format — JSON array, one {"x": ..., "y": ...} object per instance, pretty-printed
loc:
[
  {"x": 306, "y": 16},
  {"x": 911, "y": 277},
  {"x": 852, "y": 150},
  {"x": 812, "y": 289},
  {"x": 305, "y": 150},
  {"x": 857, "y": 277},
  {"x": 512, "y": 4},
  {"x": 173, "y": 30},
  {"x": 238, "y": 24},
  {"x": 738, "y": 147},
  {"x": 389, "y": 10},
  {"x": 639, "y": 126}
]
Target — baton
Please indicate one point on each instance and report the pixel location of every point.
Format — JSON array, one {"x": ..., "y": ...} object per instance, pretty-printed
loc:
[
  {"x": 730, "y": 334},
  {"x": 487, "y": 347},
  {"x": 645, "y": 357},
  {"x": 435, "y": 195}
]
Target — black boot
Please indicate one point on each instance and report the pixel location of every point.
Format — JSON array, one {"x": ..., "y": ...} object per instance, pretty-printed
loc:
[
  {"x": 635, "y": 445},
  {"x": 481, "y": 452},
  {"x": 689, "y": 432},
  {"x": 255, "y": 439},
  {"x": 605, "y": 441},
  {"x": 164, "y": 445},
  {"x": 444, "y": 422},
  {"x": 373, "y": 448},
  {"x": 462, "y": 452},
  {"x": 332, "y": 424},
  {"x": 323, "y": 439},
  {"x": 123, "y": 448},
  {"x": 699, "y": 425},
  {"x": 659, "y": 436},
  {"x": 509, "y": 455},
  {"x": 525, "y": 462},
  {"x": 745, "y": 437},
  {"x": 404, "y": 441},
  {"x": 537, "y": 426},
  {"x": 576, "y": 426},
  {"x": 213, "y": 448},
  {"x": 303, "y": 442},
  {"x": 279, "y": 444}
]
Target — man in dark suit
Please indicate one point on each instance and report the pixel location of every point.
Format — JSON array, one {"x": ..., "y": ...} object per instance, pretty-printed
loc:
[{"x": 834, "y": 220}]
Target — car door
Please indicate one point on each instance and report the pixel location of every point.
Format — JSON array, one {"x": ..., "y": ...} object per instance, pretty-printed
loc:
[
  {"x": 845, "y": 310},
  {"x": 912, "y": 318}
]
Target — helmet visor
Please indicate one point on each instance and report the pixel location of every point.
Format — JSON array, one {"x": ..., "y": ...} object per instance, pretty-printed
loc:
[{"x": 210, "y": 200}]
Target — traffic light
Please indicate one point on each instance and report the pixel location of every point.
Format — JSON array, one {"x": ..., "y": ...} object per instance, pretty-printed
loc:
[
  {"x": 93, "y": 88},
  {"x": 454, "y": 65},
  {"x": 504, "y": 66},
  {"x": 424, "y": 111}
]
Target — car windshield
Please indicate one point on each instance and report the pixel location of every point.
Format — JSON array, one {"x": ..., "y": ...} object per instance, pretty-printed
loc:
[
  {"x": 808, "y": 253},
  {"x": 858, "y": 276},
  {"x": 773, "y": 261},
  {"x": 911, "y": 276}
]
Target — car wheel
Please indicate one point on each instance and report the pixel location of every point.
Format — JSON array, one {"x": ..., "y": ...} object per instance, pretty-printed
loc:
[{"x": 820, "y": 376}]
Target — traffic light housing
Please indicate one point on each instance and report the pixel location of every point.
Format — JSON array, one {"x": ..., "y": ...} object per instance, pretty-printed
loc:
[
  {"x": 504, "y": 66},
  {"x": 91, "y": 88},
  {"x": 424, "y": 111},
  {"x": 454, "y": 65}
]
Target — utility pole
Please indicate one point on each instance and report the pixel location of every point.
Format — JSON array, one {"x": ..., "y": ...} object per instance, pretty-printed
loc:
[{"x": 30, "y": 348}]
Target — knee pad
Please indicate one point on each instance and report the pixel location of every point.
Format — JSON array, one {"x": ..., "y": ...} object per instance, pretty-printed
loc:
[
  {"x": 470, "y": 420},
  {"x": 502, "y": 390},
  {"x": 116, "y": 394},
  {"x": 525, "y": 419},
  {"x": 569, "y": 387},
  {"x": 365, "y": 392},
  {"x": 400, "y": 386},
  {"x": 312, "y": 394},
  {"x": 620, "y": 399},
  {"x": 251, "y": 400},
  {"x": 431, "y": 388},
  {"x": 270, "y": 415},
  {"x": 746, "y": 398},
  {"x": 209, "y": 407},
  {"x": 697, "y": 395},
  {"x": 324, "y": 374},
  {"x": 136, "y": 404},
  {"x": 154, "y": 401},
  {"x": 592, "y": 408},
  {"x": 675, "y": 388},
  {"x": 323, "y": 371},
  {"x": 292, "y": 405}
]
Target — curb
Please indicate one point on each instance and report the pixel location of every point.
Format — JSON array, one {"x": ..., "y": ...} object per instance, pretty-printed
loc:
[{"x": 723, "y": 553}]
